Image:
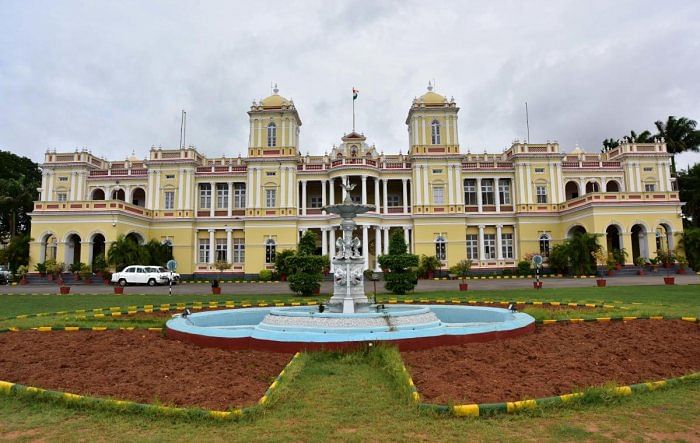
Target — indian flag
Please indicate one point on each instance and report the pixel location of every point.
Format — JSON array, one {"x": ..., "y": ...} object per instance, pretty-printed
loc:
[{"x": 354, "y": 93}]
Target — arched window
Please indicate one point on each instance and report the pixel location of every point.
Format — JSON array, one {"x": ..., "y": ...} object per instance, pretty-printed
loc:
[
  {"x": 271, "y": 135},
  {"x": 353, "y": 151},
  {"x": 545, "y": 243},
  {"x": 435, "y": 132},
  {"x": 441, "y": 248},
  {"x": 270, "y": 251}
]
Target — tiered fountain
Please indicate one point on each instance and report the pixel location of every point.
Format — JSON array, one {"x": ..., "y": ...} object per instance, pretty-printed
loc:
[{"x": 348, "y": 319}]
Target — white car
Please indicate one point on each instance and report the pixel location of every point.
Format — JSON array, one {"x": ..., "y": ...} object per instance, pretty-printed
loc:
[
  {"x": 165, "y": 273},
  {"x": 135, "y": 275}
]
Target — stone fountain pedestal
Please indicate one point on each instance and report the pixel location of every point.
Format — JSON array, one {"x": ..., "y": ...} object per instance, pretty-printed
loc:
[{"x": 348, "y": 288}]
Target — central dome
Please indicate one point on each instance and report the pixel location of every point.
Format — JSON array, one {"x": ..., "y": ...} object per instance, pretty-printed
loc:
[{"x": 275, "y": 100}]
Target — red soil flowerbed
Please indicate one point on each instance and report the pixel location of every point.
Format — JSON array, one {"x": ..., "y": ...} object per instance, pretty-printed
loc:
[
  {"x": 556, "y": 359},
  {"x": 137, "y": 365}
]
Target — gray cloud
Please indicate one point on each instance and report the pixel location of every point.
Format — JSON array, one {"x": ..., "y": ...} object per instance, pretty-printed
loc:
[{"x": 113, "y": 76}]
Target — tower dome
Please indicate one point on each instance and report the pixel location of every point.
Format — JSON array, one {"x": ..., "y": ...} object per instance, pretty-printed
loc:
[
  {"x": 274, "y": 101},
  {"x": 431, "y": 98}
]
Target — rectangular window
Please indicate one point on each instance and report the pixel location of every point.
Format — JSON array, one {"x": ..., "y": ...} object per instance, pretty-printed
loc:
[
  {"x": 650, "y": 187},
  {"x": 437, "y": 171},
  {"x": 169, "y": 199},
  {"x": 238, "y": 250},
  {"x": 239, "y": 195},
  {"x": 504, "y": 192},
  {"x": 393, "y": 200},
  {"x": 270, "y": 173},
  {"x": 489, "y": 246},
  {"x": 169, "y": 176},
  {"x": 539, "y": 170},
  {"x": 541, "y": 194},
  {"x": 507, "y": 245},
  {"x": 470, "y": 193},
  {"x": 648, "y": 169},
  {"x": 205, "y": 196},
  {"x": 221, "y": 250},
  {"x": 63, "y": 179},
  {"x": 473, "y": 247},
  {"x": 222, "y": 195},
  {"x": 61, "y": 196},
  {"x": 270, "y": 196},
  {"x": 203, "y": 250},
  {"x": 316, "y": 202},
  {"x": 438, "y": 195},
  {"x": 487, "y": 196}
]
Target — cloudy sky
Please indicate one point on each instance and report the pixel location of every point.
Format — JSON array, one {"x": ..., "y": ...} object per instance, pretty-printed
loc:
[{"x": 113, "y": 76}]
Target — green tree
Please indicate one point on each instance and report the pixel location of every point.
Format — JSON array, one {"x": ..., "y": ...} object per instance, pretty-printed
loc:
[
  {"x": 305, "y": 267},
  {"x": 680, "y": 136},
  {"x": 16, "y": 253},
  {"x": 399, "y": 266},
  {"x": 689, "y": 185},
  {"x": 19, "y": 179},
  {"x": 280, "y": 261},
  {"x": 691, "y": 245},
  {"x": 642, "y": 137},
  {"x": 157, "y": 253},
  {"x": 575, "y": 255},
  {"x": 609, "y": 144},
  {"x": 124, "y": 252}
]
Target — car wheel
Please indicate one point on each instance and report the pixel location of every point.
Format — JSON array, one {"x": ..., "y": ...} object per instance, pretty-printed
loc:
[
  {"x": 152, "y": 282},
  {"x": 122, "y": 282}
]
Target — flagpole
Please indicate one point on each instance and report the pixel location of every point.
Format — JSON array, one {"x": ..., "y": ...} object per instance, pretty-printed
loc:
[{"x": 353, "y": 111}]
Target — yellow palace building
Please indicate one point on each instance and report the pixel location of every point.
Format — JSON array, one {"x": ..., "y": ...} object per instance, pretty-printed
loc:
[{"x": 494, "y": 209}]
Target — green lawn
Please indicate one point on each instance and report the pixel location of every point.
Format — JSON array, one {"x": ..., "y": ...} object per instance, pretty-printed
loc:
[{"x": 355, "y": 397}]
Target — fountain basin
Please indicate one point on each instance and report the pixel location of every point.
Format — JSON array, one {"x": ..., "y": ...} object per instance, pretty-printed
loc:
[{"x": 296, "y": 329}]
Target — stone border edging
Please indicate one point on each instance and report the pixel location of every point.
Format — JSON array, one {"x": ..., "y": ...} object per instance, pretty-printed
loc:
[
  {"x": 15, "y": 389},
  {"x": 486, "y": 409},
  {"x": 510, "y": 407}
]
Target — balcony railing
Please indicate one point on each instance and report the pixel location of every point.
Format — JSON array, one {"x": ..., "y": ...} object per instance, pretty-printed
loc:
[
  {"x": 92, "y": 206},
  {"x": 339, "y": 163},
  {"x": 617, "y": 197}
]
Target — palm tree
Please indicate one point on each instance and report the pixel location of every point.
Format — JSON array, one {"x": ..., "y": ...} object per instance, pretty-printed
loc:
[
  {"x": 582, "y": 248},
  {"x": 609, "y": 144},
  {"x": 643, "y": 137},
  {"x": 680, "y": 136},
  {"x": 124, "y": 252}
]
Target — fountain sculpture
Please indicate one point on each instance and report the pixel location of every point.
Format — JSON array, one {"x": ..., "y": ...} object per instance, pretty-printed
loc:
[{"x": 348, "y": 263}]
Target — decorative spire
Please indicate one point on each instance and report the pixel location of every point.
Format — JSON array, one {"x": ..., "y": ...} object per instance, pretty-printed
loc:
[
  {"x": 430, "y": 86},
  {"x": 275, "y": 89}
]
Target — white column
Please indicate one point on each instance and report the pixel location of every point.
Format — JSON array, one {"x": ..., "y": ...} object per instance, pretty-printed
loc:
[
  {"x": 377, "y": 246},
  {"x": 229, "y": 245},
  {"x": 365, "y": 245},
  {"x": 229, "y": 203},
  {"x": 212, "y": 246},
  {"x": 81, "y": 192},
  {"x": 42, "y": 197},
  {"x": 49, "y": 192},
  {"x": 405, "y": 234},
  {"x": 423, "y": 138},
  {"x": 426, "y": 189},
  {"x": 386, "y": 239},
  {"x": 417, "y": 188},
  {"x": 497, "y": 194},
  {"x": 553, "y": 187},
  {"x": 180, "y": 189},
  {"x": 212, "y": 207},
  {"x": 404, "y": 184},
  {"x": 303, "y": 197},
  {"x": 323, "y": 194},
  {"x": 638, "y": 180},
  {"x": 291, "y": 188},
  {"x": 324, "y": 241},
  {"x": 459, "y": 187},
  {"x": 71, "y": 196},
  {"x": 499, "y": 249},
  {"x": 560, "y": 181},
  {"x": 331, "y": 189},
  {"x": 344, "y": 192},
  {"x": 249, "y": 187},
  {"x": 528, "y": 183},
  {"x": 258, "y": 189},
  {"x": 516, "y": 253},
  {"x": 450, "y": 187},
  {"x": 479, "y": 202},
  {"x": 582, "y": 186},
  {"x": 481, "y": 243},
  {"x": 332, "y": 246},
  {"x": 189, "y": 178},
  {"x": 283, "y": 195},
  {"x": 386, "y": 197},
  {"x": 364, "y": 189},
  {"x": 156, "y": 205},
  {"x": 377, "y": 203}
]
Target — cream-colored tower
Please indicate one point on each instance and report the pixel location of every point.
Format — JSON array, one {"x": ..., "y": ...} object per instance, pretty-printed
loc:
[
  {"x": 274, "y": 127},
  {"x": 432, "y": 125}
]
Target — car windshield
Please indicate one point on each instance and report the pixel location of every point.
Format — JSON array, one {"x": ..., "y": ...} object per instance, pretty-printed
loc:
[{"x": 162, "y": 269}]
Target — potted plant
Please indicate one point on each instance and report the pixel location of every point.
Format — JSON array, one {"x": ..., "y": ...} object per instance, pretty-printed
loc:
[
  {"x": 610, "y": 265},
  {"x": 461, "y": 270},
  {"x": 222, "y": 265},
  {"x": 64, "y": 289},
  {"x": 51, "y": 268},
  {"x": 40, "y": 268},
  {"x": 281, "y": 264},
  {"x": 99, "y": 265},
  {"x": 76, "y": 269},
  {"x": 118, "y": 289},
  {"x": 428, "y": 265},
  {"x": 666, "y": 258},
  {"x": 653, "y": 264},
  {"x": 601, "y": 259},
  {"x": 682, "y": 264},
  {"x": 215, "y": 288},
  {"x": 640, "y": 262},
  {"x": 21, "y": 274},
  {"x": 620, "y": 257},
  {"x": 86, "y": 274}
]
